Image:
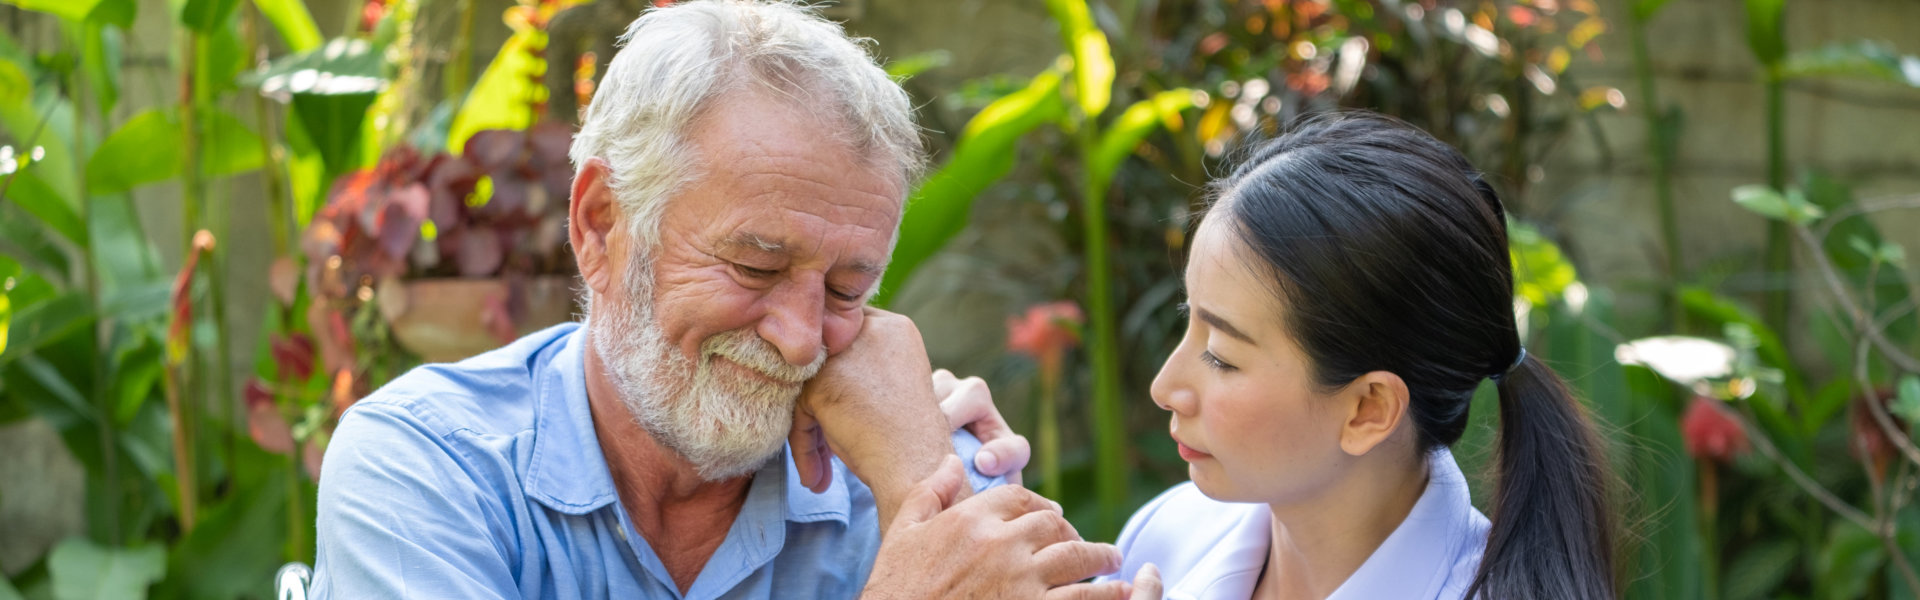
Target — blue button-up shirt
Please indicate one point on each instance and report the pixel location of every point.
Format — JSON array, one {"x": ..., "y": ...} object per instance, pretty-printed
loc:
[{"x": 484, "y": 479}]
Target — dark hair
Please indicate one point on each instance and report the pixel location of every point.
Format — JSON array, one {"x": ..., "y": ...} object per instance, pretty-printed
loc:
[{"x": 1389, "y": 252}]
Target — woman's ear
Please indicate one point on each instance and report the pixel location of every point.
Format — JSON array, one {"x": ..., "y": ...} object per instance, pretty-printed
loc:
[{"x": 1377, "y": 403}]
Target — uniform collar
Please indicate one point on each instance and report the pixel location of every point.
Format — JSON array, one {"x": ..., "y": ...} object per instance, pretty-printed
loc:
[
  {"x": 1418, "y": 558},
  {"x": 1415, "y": 561}
]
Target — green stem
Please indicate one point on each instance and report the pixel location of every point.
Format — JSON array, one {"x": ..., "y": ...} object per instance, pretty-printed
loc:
[
  {"x": 1779, "y": 251},
  {"x": 193, "y": 192},
  {"x": 459, "y": 71},
  {"x": 279, "y": 216},
  {"x": 1110, "y": 475},
  {"x": 1048, "y": 434},
  {"x": 296, "y": 521},
  {"x": 1660, "y": 160},
  {"x": 1709, "y": 517}
]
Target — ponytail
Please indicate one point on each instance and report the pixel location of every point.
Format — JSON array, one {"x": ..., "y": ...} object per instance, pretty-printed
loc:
[{"x": 1552, "y": 533}]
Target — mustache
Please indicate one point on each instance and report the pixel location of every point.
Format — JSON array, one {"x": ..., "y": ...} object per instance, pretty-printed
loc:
[{"x": 748, "y": 349}]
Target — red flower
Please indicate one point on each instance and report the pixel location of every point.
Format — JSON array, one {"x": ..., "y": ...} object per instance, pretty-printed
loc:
[
  {"x": 1712, "y": 431},
  {"x": 265, "y": 424},
  {"x": 293, "y": 356},
  {"x": 1045, "y": 333},
  {"x": 1870, "y": 443},
  {"x": 371, "y": 13}
]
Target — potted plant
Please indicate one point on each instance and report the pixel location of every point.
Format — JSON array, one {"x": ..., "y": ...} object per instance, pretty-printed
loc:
[{"x": 458, "y": 253}]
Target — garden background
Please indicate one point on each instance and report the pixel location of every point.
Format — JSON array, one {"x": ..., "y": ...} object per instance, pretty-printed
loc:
[{"x": 225, "y": 220}]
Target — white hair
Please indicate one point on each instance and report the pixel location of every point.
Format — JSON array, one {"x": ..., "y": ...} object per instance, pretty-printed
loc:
[{"x": 677, "y": 60}]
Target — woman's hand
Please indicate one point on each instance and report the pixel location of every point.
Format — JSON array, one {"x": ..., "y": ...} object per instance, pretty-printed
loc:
[{"x": 968, "y": 404}]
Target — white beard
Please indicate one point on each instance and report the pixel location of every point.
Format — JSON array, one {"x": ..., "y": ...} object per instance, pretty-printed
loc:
[{"x": 726, "y": 423}]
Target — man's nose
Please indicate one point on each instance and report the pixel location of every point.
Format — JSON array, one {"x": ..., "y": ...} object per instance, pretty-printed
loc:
[{"x": 793, "y": 323}]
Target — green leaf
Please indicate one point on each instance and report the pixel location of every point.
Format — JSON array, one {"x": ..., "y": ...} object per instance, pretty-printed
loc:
[
  {"x": 1791, "y": 207},
  {"x": 101, "y": 58},
  {"x": 24, "y": 241},
  {"x": 228, "y": 146},
  {"x": 291, "y": 19},
  {"x": 34, "y": 196},
  {"x": 503, "y": 98},
  {"x": 7, "y": 591},
  {"x": 207, "y": 16},
  {"x": 1092, "y": 57},
  {"x": 1907, "y": 402},
  {"x": 234, "y": 550},
  {"x": 1758, "y": 570},
  {"x": 1643, "y": 10},
  {"x": 1541, "y": 273},
  {"x": 1848, "y": 561},
  {"x": 128, "y": 158},
  {"x": 1133, "y": 126},
  {"x": 219, "y": 60},
  {"x": 343, "y": 66},
  {"x": 71, "y": 10},
  {"x": 15, "y": 87},
  {"x": 1865, "y": 59},
  {"x": 6, "y": 317},
  {"x": 1764, "y": 34},
  {"x": 905, "y": 68},
  {"x": 118, "y": 13},
  {"x": 41, "y": 322},
  {"x": 44, "y": 121},
  {"x": 82, "y": 570},
  {"x": 938, "y": 208}
]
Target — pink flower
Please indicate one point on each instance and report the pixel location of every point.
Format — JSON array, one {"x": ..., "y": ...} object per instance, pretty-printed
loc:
[
  {"x": 1045, "y": 333},
  {"x": 1711, "y": 431}
]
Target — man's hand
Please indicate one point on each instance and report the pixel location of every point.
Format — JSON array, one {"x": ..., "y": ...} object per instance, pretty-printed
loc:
[
  {"x": 1006, "y": 542},
  {"x": 873, "y": 406},
  {"x": 967, "y": 403}
]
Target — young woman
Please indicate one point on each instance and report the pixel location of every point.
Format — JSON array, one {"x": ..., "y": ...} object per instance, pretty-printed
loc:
[{"x": 1348, "y": 289}]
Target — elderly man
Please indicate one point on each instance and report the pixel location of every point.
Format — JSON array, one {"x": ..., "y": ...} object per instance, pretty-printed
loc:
[{"x": 740, "y": 181}]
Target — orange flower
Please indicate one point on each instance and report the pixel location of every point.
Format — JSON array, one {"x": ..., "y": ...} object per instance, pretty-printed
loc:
[
  {"x": 1045, "y": 333},
  {"x": 1711, "y": 431}
]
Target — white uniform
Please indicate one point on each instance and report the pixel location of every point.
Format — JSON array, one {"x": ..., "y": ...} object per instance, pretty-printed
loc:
[{"x": 1207, "y": 549}]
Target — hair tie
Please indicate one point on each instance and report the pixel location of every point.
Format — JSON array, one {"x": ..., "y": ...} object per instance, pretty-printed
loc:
[{"x": 1496, "y": 377}]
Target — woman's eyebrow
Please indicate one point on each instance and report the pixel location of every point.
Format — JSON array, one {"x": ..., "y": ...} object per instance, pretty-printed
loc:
[{"x": 1221, "y": 324}]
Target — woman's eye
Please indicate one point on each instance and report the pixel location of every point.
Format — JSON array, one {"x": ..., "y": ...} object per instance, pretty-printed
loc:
[{"x": 1206, "y": 356}]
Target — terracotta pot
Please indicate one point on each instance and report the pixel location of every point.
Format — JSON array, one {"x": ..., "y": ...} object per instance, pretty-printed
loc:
[{"x": 450, "y": 319}]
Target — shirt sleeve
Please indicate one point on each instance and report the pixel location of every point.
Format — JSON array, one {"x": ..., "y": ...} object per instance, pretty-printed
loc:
[
  {"x": 966, "y": 446},
  {"x": 400, "y": 515}
]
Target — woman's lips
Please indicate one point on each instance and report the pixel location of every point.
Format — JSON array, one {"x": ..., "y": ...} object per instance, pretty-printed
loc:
[{"x": 1189, "y": 453}]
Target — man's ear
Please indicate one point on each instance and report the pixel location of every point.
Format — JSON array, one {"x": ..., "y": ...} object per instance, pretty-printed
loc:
[
  {"x": 1376, "y": 403},
  {"x": 591, "y": 212}
]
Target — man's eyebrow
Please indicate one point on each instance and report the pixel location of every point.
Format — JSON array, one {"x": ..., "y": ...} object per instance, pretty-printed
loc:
[
  {"x": 868, "y": 268},
  {"x": 1216, "y": 322},
  {"x": 754, "y": 241},
  {"x": 757, "y": 242}
]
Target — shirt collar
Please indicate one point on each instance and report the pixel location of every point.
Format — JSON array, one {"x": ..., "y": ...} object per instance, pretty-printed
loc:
[
  {"x": 1417, "y": 559},
  {"x": 567, "y": 472}
]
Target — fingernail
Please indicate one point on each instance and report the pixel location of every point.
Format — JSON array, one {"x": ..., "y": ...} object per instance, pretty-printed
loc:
[{"x": 987, "y": 462}]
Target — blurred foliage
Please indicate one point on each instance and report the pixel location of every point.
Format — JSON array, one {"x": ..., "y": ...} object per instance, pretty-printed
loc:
[{"x": 198, "y": 486}]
